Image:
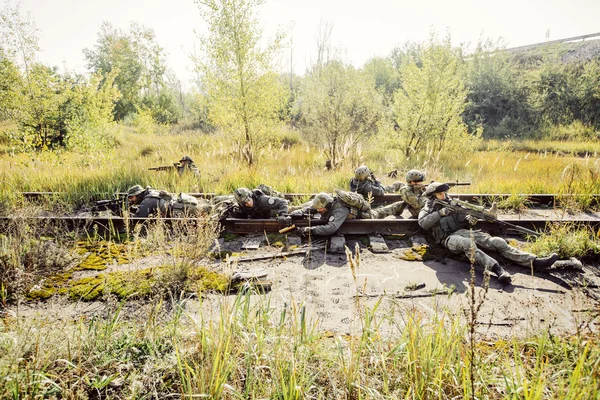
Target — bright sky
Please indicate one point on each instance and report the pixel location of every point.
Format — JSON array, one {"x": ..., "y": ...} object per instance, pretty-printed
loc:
[{"x": 362, "y": 28}]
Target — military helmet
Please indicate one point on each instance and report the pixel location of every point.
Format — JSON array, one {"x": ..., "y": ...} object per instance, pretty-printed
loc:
[
  {"x": 414, "y": 175},
  {"x": 186, "y": 158},
  {"x": 362, "y": 172},
  {"x": 436, "y": 187},
  {"x": 321, "y": 200},
  {"x": 135, "y": 190},
  {"x": 242, "y": 195}
]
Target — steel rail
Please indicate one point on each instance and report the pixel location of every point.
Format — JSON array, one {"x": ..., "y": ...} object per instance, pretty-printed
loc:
[
  {"x": 246, "y": 226},
  {"x": 534, "y": 200}
]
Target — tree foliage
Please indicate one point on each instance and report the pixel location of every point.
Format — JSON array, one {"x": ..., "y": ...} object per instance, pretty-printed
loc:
[
  {"x": 51, "y": 110},
  {"x": 429, "y": 105},
  {"x": 138, "y": 65},
  {"x": 340, "y": 109},
  {"x": 243, "y": 92}
]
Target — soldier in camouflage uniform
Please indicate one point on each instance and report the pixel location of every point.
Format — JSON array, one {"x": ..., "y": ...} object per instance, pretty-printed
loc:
[
  {"x": 256, "y": 204},
  {"x": 148, "y": 202},
  {"x": 335, "y": 212},
  {"x": 364, "y": 182},
  {"x": 411, "y": 193},
  {"x": 186, "y": 164},
  {"x": 454, "y": 232}
]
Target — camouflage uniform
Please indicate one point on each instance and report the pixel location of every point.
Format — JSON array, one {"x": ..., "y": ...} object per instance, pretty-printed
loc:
[
  {"x": 452, "y": 231},
  {"x": 364, "y": 187},
  {"x": 263, "y": 207},
  {"x": 187, "y": 165},
  {"x": 337, "y": 212},
  {"x": 149, "y": 203},
  {"x": 411, "y": 195}
]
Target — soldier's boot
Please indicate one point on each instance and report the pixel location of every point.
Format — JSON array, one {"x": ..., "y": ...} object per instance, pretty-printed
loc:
[
  {"x": 493, "y": 210},
  {"x": 543, "y": 263},
  {"x": 503, "y": 277}
]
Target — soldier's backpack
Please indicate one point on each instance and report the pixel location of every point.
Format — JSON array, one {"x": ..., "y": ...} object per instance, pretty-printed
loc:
[
  {"x": 185, "y": 205},
  {"x": 353, "y": 200}
]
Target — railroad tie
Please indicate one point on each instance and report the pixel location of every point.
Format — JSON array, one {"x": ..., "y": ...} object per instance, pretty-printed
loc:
[{"x": 378, "y": 244}]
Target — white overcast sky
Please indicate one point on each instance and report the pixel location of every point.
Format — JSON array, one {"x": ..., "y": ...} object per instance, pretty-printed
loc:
[{"x": 362, "y": 28}]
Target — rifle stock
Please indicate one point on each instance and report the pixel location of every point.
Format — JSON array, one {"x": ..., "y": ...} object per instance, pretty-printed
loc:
[{"x": 478, "y": 212}]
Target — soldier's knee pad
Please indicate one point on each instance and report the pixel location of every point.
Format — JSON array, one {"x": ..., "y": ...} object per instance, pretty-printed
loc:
[
  {"x": 465, "y": 244},
  {"x": 498, "y": 243}
]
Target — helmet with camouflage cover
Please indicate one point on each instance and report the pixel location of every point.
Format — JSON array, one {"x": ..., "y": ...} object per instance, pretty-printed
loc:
[
  {"x": 414, "y": 175},
  {"x": 436, "y": 187},
  {"x": 135, "y": 190},
  {"x": 186, "y": 158},
  {"x": 242, "y": 195},
  {"x": 321, "y": 200},
  {"x": 361, "y": 173}
]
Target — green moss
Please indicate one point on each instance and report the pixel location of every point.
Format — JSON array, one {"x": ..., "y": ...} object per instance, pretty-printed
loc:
[
  {"x": 417, "y": 253},
  {"x": 276, "y": 239},
  {"x": 87, "y": 289},
  {"x": 40, "y": 294},
  {"x": 98, "y": 255},
  {"x": 202, "y": 279}
]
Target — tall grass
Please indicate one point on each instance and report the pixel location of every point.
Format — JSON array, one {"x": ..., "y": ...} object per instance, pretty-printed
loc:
[
  {"x": 248, "y": 351},
  {"x": 298, "y": 168}
]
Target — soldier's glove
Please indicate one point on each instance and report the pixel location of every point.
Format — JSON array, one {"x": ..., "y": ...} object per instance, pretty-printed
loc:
[
  {"x": 471, "y": 220},
  {"x": 297, "y": 213},
  {"x": 304, "y": 231},
  {"x": 284, "y": 220},
  {"x": 444, "y": 212}
]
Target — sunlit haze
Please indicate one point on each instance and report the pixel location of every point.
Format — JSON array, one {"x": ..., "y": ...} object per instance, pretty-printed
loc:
[{"x": 362, "y": 29}]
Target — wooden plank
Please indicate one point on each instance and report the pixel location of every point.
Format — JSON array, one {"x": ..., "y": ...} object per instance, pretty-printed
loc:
[
  {"x": 378, "y": 244},
  {"x": 252, "y": 243},
  {"x": 337, "y": 244}
]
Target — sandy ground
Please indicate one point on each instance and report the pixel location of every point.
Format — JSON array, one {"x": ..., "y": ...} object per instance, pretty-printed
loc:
[{"x": 334, "y": 298}]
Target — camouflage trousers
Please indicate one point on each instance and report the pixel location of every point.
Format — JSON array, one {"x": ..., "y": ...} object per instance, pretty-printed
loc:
[
  {"x": 471, "y": 243},
  {"x": 394, "y": 187},
  {"x": 385, "y": 211}
]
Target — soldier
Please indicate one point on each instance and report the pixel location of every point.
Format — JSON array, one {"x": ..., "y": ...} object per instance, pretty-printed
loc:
[
  {"x": 364, "y": 182},
  {"x": 452, "y": 230},
  {"x": 186, "y": 164},
  {"x": 411, "y": 193},
  {"x": 148, "y": 201},
  {"x": 256, "y": 204},
  {"x": 335, "y": 212}
]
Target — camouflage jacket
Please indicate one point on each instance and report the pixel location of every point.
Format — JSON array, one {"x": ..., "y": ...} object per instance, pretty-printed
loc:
[
  {"x": 411, "y": 195},
  {"x": 367, "y": 186},
  {"x": 151, "y": 205},
  {"x": 439, "y": 226},
  {"x": 263, "y": 207}
]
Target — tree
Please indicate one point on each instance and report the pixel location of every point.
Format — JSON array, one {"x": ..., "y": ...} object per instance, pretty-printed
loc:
[
  {"x": 244, "y": 95},
  {"x": 497, "y": 96},
  {"x": 429, "y": 105},
  {"x": 340, "y": 108},
  {"x": 138, "y": 65}
]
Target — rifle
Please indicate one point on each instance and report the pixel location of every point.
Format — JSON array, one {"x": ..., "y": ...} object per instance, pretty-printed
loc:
[
  {"x": 457, "y": 183},
  {"x": 479, "y": 212},
  {"x": 165, "y": 167},
  {"x": 114, "y": 205}
]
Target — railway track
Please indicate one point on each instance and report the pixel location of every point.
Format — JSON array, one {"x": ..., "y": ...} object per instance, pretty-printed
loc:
[
  {"x": 532, "y": 200},
  {"x": 350, "y": 227},
  {"x": 247, "y": 226}
]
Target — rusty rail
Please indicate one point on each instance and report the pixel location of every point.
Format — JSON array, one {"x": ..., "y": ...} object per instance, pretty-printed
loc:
[
  {"x": 535, "y": 200},
  {"x": 245, "y": 226}
]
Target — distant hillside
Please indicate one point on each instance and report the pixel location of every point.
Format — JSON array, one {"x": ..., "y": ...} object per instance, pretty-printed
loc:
[{"x": 565, "y": 52}]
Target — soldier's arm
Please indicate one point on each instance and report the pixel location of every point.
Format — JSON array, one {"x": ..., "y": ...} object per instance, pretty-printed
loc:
[
  {"x": 411, "y": 199},
  {"x": 336, "y": 219},
  {"x": 144, "y": 209},
  {"x": 428, "y": 218}
]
